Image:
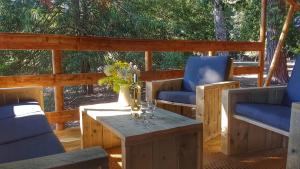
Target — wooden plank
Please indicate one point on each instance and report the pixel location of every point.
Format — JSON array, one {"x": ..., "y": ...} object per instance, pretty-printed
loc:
[
  {"x": 58, "y": 90},
  {"x": 209, "y": 106},
  {"x": 50, "y": 80},
  {"x": 187, "y": 146},
  {"x": 165, "y": 153},
  {"x": 246, "y": 70},
  {"x": 15, "y": 95},
  {"x": 110, "y": 140},
  {"x": 280, "y": 44},
  {"x": 75, "y": 79},
  {"x": 293, "y": 157},
  {"x": 92, "y": 158},
  {"x": 18, "y": 41},
  {"x": 148, "y": 60},
  {"x": 91, "y": 131},
  {"x": 92, "y": 78},
  {"x": 160, "y": 75},
  {"x": 262, "y": 38},
  {"x": 295, "y": 4},
  {"x": 139, "y": 156},
  {"x": 262, "y": 125},
  {"x": 62, "y": 116}
]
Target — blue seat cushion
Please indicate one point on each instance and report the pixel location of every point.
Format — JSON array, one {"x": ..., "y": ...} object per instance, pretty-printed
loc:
[
  {"x": 277, "y": 116},
  {"x": 23, "y": 120},
  {"x": 292, "y": 93},
  {"x": 178, "y": 96},
  {"x": 38, "y": 146},
  {"x": 204, "y": 70}
]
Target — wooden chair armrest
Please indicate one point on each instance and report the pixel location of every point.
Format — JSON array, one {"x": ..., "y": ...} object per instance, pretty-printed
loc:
[
  {"x": 219, "y": 85},
  {"x": 208, "y": 105},
  {"x": 293, "y": 156},
  {"x": 161, "y": 85},
  {"x": 267, "y": 95},
  {"x": 92, "y": 158}
]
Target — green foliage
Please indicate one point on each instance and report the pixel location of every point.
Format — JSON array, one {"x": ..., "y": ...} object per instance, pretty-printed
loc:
[
  {"x": 152, "y": 19},
  {"x": 118, "y": 74}
]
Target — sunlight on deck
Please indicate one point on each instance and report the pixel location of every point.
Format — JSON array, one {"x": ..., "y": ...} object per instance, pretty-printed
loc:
[{"x": 213, "y": 158}]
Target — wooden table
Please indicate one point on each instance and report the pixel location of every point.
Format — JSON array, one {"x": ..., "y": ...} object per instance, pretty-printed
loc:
[{"x": 169, "y": 141}]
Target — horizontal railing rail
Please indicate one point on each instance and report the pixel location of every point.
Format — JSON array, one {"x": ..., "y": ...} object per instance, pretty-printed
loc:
[{"x": 13, "y": 41}]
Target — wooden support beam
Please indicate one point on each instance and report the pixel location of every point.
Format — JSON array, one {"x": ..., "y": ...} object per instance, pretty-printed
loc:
[
  {"x": 63, "y": 116},
  {"x": 262, "y": 38},
  {"x": 295, "y": 4},
  {"x": 58, "y": 90},
  {"x": 76, "y": 79},
  {"x": 50, "y": 80},
  {"x": 15, "y": 41},
  {"x": 148, "y": 60},
  {"x": 246, "y": 70},
  {"x": 280, "y": 44},
  {"x": 92, "y": 78}
]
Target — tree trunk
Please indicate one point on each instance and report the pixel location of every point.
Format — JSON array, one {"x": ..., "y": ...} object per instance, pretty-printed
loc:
[
  {"x": 220, "y": 25},
  {"x": 79, "y": 18},
  {"x": 85, "y": 68},
  {"x": 76, "y": 16},
  {"x": 275, "y": 15}
]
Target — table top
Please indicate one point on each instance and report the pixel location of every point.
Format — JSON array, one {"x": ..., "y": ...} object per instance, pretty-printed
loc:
[{"x": 119, "y": 120}]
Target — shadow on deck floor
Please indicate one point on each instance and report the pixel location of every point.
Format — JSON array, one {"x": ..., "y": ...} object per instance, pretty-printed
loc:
[{"x": 213, "y": 159}]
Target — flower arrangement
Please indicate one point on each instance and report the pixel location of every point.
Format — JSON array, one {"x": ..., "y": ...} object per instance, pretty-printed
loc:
[{"x": 118, "y": 74}]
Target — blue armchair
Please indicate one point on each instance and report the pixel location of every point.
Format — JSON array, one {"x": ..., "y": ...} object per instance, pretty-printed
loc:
[
  {"x": 259, "y": 118},
  {"x": 197, "y": 95}
]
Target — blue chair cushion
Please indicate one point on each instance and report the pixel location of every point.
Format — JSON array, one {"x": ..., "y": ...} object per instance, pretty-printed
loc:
[
  {"x": 204, "y": 70},
  {"x": 178, "y": 96},
  {"x": 38, "y": 146},
  {"x": 292, "y": 93},
  {"x": 277, "y": 116},
  {"x": 23, "y": 120}
]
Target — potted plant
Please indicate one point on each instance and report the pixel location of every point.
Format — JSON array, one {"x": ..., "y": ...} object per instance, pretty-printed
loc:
[{"x": 119, "y": 77}]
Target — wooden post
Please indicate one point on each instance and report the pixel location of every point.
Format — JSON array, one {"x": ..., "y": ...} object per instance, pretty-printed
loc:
[
  {"x": 148, "y": 60},
  {"x": 280, "y": 44},
  {"x": 263, "y": 40},
  {"x": 58, "y": 90}
]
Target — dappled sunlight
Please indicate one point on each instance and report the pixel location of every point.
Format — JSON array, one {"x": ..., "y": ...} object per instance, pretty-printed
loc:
[
  {"x": 115, "y": 156},
  {"x": 224, "y": 120},
  {"x": 210, "y": 75}
]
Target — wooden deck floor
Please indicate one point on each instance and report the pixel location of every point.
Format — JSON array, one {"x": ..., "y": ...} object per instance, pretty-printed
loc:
[{"x": 213, "y": 159}]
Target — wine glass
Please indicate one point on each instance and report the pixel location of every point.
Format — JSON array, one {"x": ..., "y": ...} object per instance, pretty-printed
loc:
[{"x": 151, "y": 108}]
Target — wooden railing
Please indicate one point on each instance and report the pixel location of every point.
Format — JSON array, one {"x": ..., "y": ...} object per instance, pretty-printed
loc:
[{"x": 59, "y": 43}]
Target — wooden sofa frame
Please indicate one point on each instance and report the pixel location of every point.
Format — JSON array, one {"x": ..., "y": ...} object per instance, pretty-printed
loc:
[
  {"x": 208, "y": 101},
  {"x": 241, "y": 135},
  {"x": 92, "y": 158}
]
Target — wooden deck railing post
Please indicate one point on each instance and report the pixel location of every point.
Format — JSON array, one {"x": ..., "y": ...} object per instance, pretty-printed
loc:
[
  {"x": 280, "y": 44},
  {"x": 58, "y": 90},
  {"x": 262, "y": 38},
  {"x": 148, "y": 60}
]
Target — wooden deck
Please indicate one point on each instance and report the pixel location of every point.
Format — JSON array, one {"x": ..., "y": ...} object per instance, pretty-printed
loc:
[{"x": 213, "y": 159}]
